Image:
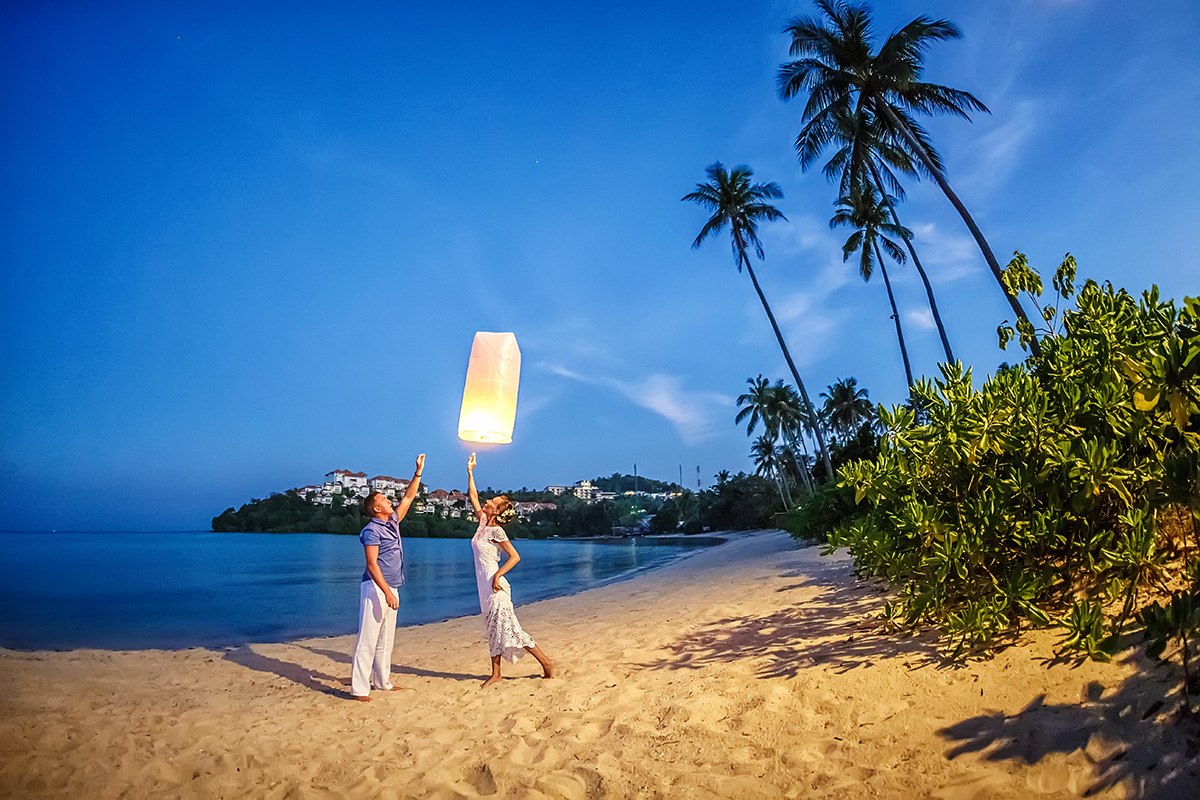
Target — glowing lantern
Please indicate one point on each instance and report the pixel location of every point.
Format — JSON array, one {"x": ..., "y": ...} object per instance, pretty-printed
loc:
[{"x": 489, "y": 404}]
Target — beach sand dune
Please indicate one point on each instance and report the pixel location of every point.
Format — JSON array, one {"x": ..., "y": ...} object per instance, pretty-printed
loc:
[{"x": 749, "y": 670}]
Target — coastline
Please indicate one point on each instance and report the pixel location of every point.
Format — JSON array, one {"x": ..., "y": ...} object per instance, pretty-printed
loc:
[
  {"x": 230, "y": 590},
  {"x": 749, "y": 669}
]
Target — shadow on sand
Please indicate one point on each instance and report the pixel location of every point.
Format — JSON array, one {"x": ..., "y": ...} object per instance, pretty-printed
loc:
[
  {"x": 833, "y": 629},
  {"x": 310, "y": 679},
  {"x": 1132, "y": 735},
  {"x": 398, "y": 669}
]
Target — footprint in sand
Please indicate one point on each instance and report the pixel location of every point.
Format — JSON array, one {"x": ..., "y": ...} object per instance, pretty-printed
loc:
[
  {"x": 971, "y": 787},
  {"x": 880, "y": 713},
  {"x": 591, "y": 731},
  {"x": 563, "y": 784}
]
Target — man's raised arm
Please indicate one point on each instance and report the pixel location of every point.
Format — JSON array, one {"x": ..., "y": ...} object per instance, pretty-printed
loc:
[{"x": 413, "y": 486}]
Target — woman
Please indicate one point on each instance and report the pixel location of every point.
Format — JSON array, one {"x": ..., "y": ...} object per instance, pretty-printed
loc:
[{"x": 504, "y": 634}]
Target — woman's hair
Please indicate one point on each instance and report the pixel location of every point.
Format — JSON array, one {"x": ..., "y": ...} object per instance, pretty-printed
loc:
[
  {"x": 505, "y": 512},
  {"x": 368, "y": 503}
]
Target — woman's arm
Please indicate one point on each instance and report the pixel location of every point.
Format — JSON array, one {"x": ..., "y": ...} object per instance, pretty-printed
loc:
[
  {"x": 509, "y": 563},
  {"x": 411, "y": 493},
  {"x": 471, "y": 491}
]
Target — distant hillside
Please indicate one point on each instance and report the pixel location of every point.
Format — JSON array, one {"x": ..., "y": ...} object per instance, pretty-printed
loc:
[{"x": 618, "y": 482}]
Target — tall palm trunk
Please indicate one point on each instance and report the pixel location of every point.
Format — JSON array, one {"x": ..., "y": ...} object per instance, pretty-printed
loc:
[
  {"x": 788, "y": 502},
  {"x": 912, "y": 251},
  {"x": 786, "y": 353},
  {"x": 801, "y": 469},
  {"x": 779, "y": 488},
  {"x": 916, "y": 146},
  {"x": 895, "y": 316}
]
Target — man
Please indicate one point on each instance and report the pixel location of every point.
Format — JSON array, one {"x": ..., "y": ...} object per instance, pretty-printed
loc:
[{"x": 378, "y": 598}]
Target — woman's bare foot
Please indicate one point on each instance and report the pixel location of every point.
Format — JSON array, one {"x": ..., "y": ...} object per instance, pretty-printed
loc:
[
  {"x": 543, "y": 659},
  {"x": 490, "y": 681}
]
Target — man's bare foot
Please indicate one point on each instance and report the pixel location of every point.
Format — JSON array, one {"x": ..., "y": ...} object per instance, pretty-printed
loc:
[
  {"x": 490, "y": 681},
  {"x": 362, "y": 698},
  {"x": 548, "y": 669},
  {"x": 401, "y": 689}
]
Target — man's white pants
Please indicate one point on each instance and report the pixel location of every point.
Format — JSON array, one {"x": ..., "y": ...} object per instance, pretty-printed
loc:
[{"x": 376, "y": 634}]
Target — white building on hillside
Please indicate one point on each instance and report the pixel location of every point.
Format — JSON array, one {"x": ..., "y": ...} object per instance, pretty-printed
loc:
[
  {"x": 386, "y": 483},
  {"x": 346, "y": 478}
]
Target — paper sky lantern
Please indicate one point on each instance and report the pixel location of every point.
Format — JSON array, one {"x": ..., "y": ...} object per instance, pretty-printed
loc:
[{"x": 489, "y": 404}]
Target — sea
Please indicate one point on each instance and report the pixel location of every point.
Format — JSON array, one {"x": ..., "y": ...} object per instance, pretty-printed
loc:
[{"x": 145, "y": 590}]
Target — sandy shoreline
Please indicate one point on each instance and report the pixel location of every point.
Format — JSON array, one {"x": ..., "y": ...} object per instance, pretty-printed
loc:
[{"x": 751, "y": 669}]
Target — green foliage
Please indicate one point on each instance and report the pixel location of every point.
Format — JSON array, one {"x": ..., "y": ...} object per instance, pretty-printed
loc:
[
  {"x": 741, "y": 502},
  {"x": 289, "y": 513},
  {"x": 571, "y": 517},
  {"x": 817, "y": 517},
  {"x": 666, "y": 520},
  {"x": 1178, "y": 620},
  {"x": 618, "y": 482},
  {"x": 1037, "y": 498}
]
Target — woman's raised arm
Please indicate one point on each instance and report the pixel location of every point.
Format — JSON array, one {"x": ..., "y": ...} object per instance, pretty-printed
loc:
[{"x": 472, "y": 492}]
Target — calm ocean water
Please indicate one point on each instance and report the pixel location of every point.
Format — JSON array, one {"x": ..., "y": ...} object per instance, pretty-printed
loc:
[{"x": 174, "y": 590}]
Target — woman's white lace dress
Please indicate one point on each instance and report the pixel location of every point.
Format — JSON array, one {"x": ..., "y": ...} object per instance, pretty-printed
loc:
[{"x": 504, "y": 635}]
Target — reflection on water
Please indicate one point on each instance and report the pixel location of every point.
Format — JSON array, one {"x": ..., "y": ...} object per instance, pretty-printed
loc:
[{"x": 169, "y": 590}]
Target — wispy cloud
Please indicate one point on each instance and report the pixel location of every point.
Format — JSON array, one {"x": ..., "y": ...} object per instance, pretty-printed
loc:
[
  {"x": 921, "y": 318},
  {"x": 809, "y": 324},
  {"x": 947, "y": 255},
  {"x": 804, "y": 307},
  {"x": 695, "y": 414},
  {"x": 998, "y": 152},
  {"x": 800, "y": 234}
]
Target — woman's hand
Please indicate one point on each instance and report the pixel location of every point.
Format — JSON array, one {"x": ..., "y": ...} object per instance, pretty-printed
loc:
[
  {"x": 471, "y": 463},
  {"x": 420, "y": 463},
  {"x": 496, "y": 585}
]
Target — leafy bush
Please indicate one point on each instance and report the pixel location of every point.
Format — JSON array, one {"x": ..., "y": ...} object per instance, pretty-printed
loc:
[
  {"x": 741, "y": 502},
  {"x": 831, "y": 505},
  {"x": 287, "y": 512},
  {"x": 1038, "y": 497},
  {"x": 666, "y": 520}
]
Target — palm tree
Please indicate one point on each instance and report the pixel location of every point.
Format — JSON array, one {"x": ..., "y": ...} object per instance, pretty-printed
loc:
[
  {"x": 784, "y": 417},
  {"x": 863, "y": 212},
  {"x": 864, "y": 159},
  {"x": 736, "y": 202},
  {"x": 835, "y": 64},
  {"x": 777, "y": 407},
  {"x": 846, "y": 406},
  {"x": 767, "y": 463},
  {"x": 791, "y": 420},
  {"x": 755, "y": 404},
  {"x": 723, "y": 477}
]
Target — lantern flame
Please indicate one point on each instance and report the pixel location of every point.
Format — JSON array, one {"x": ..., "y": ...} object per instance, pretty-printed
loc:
[{"x": 489, "y": 404}]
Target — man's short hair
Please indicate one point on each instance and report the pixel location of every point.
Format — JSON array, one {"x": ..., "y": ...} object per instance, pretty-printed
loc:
[{"x": 368, "y": 503}]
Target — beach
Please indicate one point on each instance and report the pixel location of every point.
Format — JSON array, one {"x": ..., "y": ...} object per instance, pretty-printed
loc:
[{"x": 754, "y": 669}]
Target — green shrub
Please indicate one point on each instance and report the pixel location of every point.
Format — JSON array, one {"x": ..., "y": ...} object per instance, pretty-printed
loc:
[
  {"x": 1036, "y": 498},
  {"x": 816, "y": 518}
]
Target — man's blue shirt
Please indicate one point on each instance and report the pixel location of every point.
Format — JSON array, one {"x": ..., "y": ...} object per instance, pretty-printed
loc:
[{"x": 386, "y": 535}]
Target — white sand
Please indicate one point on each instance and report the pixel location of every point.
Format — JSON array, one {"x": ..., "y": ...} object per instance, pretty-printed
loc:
[{"x": 749, "y": 670}]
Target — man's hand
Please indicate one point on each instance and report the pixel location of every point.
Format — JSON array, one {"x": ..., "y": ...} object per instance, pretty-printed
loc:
[
  {"x": 471, "y": 463},
  {"x": 420, "y": 463},
  {"x": 392, "y": 600}
]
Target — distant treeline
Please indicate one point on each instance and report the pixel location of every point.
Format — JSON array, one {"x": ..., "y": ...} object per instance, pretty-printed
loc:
[{"x": 739, "y": 502}]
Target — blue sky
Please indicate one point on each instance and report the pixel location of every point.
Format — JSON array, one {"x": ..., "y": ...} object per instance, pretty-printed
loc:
[{"x": 244, "y": 245}]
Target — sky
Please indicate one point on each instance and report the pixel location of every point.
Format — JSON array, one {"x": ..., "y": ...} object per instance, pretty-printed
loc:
[{"x": 247, "y": 244}]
